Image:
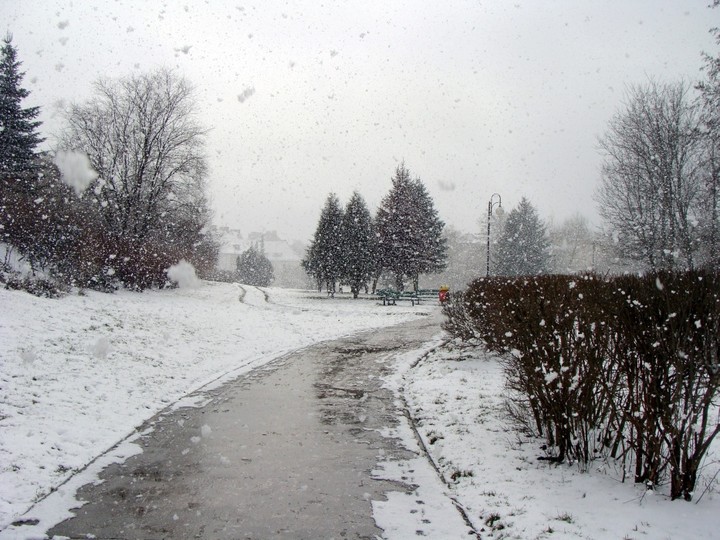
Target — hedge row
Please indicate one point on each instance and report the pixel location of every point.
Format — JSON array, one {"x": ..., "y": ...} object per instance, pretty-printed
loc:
[{"x": 622, "y": 368}]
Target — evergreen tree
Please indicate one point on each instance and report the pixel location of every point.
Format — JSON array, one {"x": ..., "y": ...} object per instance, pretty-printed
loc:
[
  {"x": 18, "y": 127},
  {"x": 433, "y": 255},
  {"x": 410, "y": 233},
  {"x": 523, "y": 247},
  {"x": 358, "y": 244},
  {"x": 324, "y": 258},
  {"x": 254, "y": 268}
]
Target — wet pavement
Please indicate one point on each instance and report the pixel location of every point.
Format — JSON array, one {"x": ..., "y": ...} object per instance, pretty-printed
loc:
[{"x": 283, "y": 452}]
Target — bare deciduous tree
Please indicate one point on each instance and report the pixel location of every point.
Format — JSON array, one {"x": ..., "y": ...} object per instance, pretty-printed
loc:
[
  {"x": 710, "y": 207},
  {"x": 142, "y": 138},
  {"x": 573, "y": 246},
  {"x": 651, "y": 176}
]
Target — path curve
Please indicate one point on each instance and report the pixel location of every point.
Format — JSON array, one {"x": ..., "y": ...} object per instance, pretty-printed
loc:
[{"x": 284, "y": 452}]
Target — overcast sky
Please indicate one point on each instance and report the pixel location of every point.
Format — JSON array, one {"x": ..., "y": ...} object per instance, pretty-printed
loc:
[{"x": 308, "y": 97}]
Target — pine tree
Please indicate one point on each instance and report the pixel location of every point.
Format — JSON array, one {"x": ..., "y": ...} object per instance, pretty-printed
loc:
[
  {"x": 254, "y": 268},
  {"x": 358, "y": 244},
  {"x": 324, "y": 258},
  {"x": 410, "y": 232},
  {"x": 433, "y": 256},
  {"x": 27, "y": 211},
  {"x": 523, "y": 247},
  {"x": 18, "y": 127}
]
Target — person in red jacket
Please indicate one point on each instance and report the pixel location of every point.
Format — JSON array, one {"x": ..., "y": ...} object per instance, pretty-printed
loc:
[{"x": 444, "y": 294}]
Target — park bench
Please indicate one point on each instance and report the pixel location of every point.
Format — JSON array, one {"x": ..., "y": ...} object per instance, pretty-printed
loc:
[
  {"x": 428, "y": 294},
  {"x": 391, "y": 297}
]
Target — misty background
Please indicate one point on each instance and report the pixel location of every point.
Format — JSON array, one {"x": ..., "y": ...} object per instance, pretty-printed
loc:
[{"x": 304, "y": 98}]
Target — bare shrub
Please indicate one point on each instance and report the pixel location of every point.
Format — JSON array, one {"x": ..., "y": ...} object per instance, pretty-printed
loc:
[{"x": 624, "y": 368}]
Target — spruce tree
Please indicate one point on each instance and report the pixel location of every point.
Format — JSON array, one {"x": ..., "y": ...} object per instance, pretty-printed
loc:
[
  {"x": 410, "y": 232},
  {"x": 523, "y": 247},
  {"x": 358, "y": 244},
  {"x": 18, "y": 125},
  {"x": 324, "y": 258},
  {"x": 433, "y": 255},
  {"x": 27, "y": 205}
]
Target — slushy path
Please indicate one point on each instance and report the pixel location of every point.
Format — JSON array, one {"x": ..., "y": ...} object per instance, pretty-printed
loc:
[{"x": 284, "y": 452}]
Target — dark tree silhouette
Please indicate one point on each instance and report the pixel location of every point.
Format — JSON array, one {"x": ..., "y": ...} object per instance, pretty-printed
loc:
[
  {"x": 254, "y": 268},
  {"x": 359, "y": 245},
  {"x": 18, "y": 124},
  {"x": 410, "y": 233},
  {"x": 324, "y": 258},
  {"x": 523, "y": 245}
]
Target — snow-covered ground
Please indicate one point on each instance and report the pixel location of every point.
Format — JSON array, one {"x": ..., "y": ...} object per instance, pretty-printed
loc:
[
  {"x": 79, "y": 374},
  {"x": 507, "y": 493}
]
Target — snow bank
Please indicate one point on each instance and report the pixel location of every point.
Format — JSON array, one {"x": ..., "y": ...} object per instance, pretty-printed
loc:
[
  {"x": 493, "y": 471},
  {"x": 78, "y": 374}
]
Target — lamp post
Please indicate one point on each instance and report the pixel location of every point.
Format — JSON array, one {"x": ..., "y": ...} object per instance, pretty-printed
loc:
[{"x": 491, "y": 204}]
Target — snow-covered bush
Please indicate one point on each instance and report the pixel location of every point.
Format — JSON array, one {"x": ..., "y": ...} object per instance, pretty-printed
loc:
[
  {"x": 624, "y": 368},
  {"x": 458, "y": 320},
  {"x": 37, "y": 285}
]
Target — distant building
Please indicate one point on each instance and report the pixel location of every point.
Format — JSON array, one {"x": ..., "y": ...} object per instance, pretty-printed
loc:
[{"x": 284, "y": 256}]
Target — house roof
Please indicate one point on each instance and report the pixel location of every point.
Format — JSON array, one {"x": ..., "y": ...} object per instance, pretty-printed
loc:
[{"x": 276, "y": 249}]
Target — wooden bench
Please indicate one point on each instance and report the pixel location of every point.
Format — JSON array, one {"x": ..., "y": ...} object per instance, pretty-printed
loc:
[
  {"x": 391, "y": 297},
  {"x": 428, "y": 294}
]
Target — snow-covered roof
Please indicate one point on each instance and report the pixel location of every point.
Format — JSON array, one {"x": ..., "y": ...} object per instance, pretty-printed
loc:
[{"x": 232, "y": 242}]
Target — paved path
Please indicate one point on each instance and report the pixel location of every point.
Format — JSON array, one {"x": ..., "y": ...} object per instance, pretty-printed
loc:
[{"x": 284, "y": 452}]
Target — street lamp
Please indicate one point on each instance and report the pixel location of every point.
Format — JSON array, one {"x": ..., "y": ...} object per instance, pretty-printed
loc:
[{"x": 491, "y": 204}]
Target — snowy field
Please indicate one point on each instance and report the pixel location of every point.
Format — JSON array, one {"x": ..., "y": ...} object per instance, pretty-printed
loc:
[
  {"x": 507, "y": 493},
  {"x": 79, "y": 374}
]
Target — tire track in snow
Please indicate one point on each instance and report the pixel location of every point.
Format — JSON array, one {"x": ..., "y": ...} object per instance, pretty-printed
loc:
[
  {"x": 254, "y": 296},
  {"x": 242, "y": 292}
]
